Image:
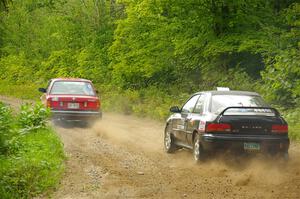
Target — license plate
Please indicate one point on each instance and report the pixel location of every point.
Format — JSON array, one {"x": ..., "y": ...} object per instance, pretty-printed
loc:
[
  {"x": 250, "y": 146},
  {"x": 73, "y": 105}
]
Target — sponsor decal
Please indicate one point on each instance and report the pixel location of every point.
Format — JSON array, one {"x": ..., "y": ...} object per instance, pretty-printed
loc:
[{"x": 202, "y": 126}]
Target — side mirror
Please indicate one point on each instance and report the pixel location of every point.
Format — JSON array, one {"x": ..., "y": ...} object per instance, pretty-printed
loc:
[
  {"x": 42, "y": 90},
  {"x": 97, "y": 92},
  {"x": 175, "y": 109}
]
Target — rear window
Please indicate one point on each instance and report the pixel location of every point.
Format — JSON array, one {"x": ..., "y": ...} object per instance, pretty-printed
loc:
[
  {"x": 72, "y": 88},
  {"x": 220, "y": 102}
]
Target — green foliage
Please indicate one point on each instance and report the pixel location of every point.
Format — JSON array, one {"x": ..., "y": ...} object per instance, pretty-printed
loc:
[
  {"x": 6, "y": 127},
  {"x": 167, "y": 42},
  {"x": 35, "y": 167},
  {"x": 139, "y": 44},
  {"x": 14, "y": 69},
  {"x": 31, "y": 154},
  {"x": 33, "y": 118},
  {"x": 283, "y": 78},
  {"x": 59, "y": 37},
  {"x": 150, "y": 102},
  {"x": 22, "y": 91},
  {"x": 282, "y": 75},
  {"x": 292, "y": 116}
]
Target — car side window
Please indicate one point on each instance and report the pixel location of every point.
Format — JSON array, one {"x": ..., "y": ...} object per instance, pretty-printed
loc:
[
  {"x": 199, "y": 108},
  {"x": 190, "y": 105},
  {"x": 48, "y": 86}
]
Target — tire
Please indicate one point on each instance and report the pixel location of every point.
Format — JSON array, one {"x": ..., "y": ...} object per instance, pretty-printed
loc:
[
  {"x": 169, "y": 144},
  {"x": 198, "y": 152}
]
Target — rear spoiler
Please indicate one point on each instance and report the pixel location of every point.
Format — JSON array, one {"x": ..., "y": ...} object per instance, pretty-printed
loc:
[{"x": 250, "y": 107}]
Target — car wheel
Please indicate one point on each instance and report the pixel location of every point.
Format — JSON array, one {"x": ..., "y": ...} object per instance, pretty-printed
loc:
[
  {"x": 198, "y": 152},
  {"x": 169, "y": 144}
]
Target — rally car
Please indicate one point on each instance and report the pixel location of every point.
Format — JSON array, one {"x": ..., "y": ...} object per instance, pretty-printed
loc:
[
  {"x": 224, "y": 120},
  {"x": 72, "y": 99}
]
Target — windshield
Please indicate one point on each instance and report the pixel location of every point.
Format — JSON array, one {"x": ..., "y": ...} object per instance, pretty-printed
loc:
[
  {"x": 72, "y": 88},
  {"x": 220, "y": 102}
]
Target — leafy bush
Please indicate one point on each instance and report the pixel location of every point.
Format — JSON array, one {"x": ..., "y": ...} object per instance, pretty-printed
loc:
[
  {"x": 32, "y": 118},
  {"x": 292, "y": 117},
  {"x": 6, "y": 127},
  {"x": 36, "y": 166},
  {"x": 150, "y": 102},
  {"x": 31, "y": 155}
]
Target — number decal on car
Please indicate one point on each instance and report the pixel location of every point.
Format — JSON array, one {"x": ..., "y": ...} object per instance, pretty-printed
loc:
[{"x": 202, "y": 126}]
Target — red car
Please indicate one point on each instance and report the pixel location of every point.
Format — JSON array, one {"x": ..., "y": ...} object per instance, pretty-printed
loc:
[{"x": 72, "y": 99}]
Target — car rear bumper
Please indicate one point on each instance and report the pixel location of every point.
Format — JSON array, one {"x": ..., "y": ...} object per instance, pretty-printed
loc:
[
  {"x": 267, "y": 143},
  {"x": 76, "y": 115}
]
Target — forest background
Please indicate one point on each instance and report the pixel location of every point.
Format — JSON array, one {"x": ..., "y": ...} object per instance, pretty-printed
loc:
[{"x": 147, "y": 55}]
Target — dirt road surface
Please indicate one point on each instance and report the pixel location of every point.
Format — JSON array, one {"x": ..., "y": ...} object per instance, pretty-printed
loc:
[{"x": 122, "y": 157}]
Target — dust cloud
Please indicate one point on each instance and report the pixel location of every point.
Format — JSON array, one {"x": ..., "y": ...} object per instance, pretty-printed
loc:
[{"x": 123, "y": 157}]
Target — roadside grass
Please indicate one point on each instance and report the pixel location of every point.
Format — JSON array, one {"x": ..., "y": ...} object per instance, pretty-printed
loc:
[
  {"x": 35, "y": 165},
  {"x": 31, "y": 153},
  {"x": 292, "y": 117},
  {"x": 150, "y": 102},
  {"x": 21, "y": 91},
  {"x": 294, "y": 131}
]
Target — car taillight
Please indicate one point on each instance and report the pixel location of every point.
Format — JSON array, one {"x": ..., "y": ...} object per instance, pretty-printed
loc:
[
  {"x": 53, "y": 102},
  {"x": 48, "y": 103},
  {"x": 98, "y": 104},
  {"x": 213, "y": 127},
  {"x": 279, "y": 129}
]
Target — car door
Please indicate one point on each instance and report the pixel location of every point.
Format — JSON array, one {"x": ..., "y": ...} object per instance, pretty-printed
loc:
[
  {"x": 186, "y": 110},
  {"x": 193, "y": 119}
]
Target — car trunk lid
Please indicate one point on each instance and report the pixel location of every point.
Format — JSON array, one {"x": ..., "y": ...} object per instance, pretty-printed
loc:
[
  {"x": 74, "y": 102},
  {"x": 251, "y": 124},
  {"x": 253, "y": 120}
]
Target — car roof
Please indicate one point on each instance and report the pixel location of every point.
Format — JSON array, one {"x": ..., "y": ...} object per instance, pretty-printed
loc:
[
  {"x": 70, "y": 79},
  {"x": 229, "y": 93}
]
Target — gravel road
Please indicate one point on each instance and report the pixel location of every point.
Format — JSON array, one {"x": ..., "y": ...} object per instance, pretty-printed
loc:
[{"x": 122, "y": 157}]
